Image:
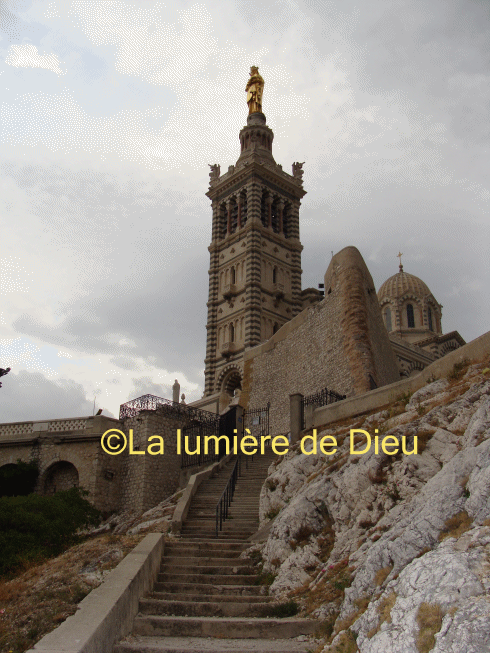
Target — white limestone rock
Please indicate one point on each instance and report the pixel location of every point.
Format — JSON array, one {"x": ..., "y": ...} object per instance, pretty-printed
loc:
[
  {"x": 425, "y": 394},
  {"x": 445, "y": 577}
]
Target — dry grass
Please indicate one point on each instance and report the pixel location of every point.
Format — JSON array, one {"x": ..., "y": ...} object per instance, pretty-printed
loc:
[
  {"x": 345, "y": 644},
  {"x": 382, "y": 575},
  {"x": 429, "y": 619},
  {"x": 457, "y": 525},
  {"x": 44, "y": 595},
  {"x": 361, "y": 605},
  {"x": 458, "y": 371},
  {"x": 384, "y": 610},
  {"x": 423, "y": 438}
]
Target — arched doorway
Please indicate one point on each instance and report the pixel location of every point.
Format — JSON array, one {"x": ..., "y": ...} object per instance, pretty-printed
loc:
[{"x": 60, "y": 476}]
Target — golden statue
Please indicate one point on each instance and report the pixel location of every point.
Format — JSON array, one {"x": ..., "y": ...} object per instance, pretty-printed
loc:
[{"x": 255, "y": 87}]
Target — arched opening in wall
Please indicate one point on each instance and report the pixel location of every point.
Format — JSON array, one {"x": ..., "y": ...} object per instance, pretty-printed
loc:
[
  {"x": 232, "y": 275},
  {"x": 231, "y": 382},
  {"x": 18, "y": 479},
  {"x": 410, "y": 317},
  {"x": 388, "y": 319},
  {"x": 243, "y": 217},
  {"x": 275, "y": 216},
  {"x": 274, "y": 275},
  {"x": 275, "y": 328},
  {"x": 286, "y": 220},
  {"x": 233, "y": 216},
  {"x": 222, "y": 218},
  {"x": 60, "y": 476},
  {"x": 429, "y": 319},
  {"x": 264, "y": 209},
  {"x": 232, "y": 333}
]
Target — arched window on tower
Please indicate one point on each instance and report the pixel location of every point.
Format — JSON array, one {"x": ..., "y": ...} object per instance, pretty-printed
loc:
[
  {"x": 275, "y": 328},
  {"x": 264, "y": 210},
  {"x": 410, "y": 317},
  {"x": 429, "y": 318},
  {"x": 275, "y": 217},
  {"x": 232, "y": 333},
  {"x": 286, "y": 217},
  {"x": 274, "y": 275},
  {"x": 232, "y": 275},
  {"x": 388, "y": 319}
]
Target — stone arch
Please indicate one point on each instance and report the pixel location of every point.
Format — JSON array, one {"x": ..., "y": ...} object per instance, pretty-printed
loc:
[
  {"x": 60, "y": 475},
  {"x": 230, "y": 379}
]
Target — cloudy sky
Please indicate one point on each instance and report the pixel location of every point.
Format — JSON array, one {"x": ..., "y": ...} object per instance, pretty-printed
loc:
[{"x": 110, "y": 112}]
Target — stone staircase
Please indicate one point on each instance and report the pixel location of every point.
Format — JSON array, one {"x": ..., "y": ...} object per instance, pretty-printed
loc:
[{"x": 206, "y": 597}]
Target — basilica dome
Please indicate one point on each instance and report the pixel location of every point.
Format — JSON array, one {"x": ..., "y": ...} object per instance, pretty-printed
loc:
[
  {"x": 409, "y": 308},
  {"x": 400, "y": 284}
]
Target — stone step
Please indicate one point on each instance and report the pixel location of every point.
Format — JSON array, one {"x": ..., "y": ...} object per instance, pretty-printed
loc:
[
  {"x": 242, "y": 524},
  {"x": 242, "y": 569},
  {"x": 227, "y": 548},
  {"x": 205, "y": 645},
  {"x": 208, "y": 579},
  {"x": 227, "y": 593},
  {"x": 210, "y": 589},
  {"x": 227, "y": 532},
  {"x": 204, "y": 561},
  {"x": 152, "y": 606},
  {"x": 222, "y": 627}
]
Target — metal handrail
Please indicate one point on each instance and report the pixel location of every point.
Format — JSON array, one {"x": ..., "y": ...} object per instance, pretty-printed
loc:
[{"x": 227, "y": 496}]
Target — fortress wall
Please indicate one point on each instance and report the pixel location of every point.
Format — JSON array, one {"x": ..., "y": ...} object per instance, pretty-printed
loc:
[
  {"x": 148, "y": 479},
  {"x": 338, "y": 343}
]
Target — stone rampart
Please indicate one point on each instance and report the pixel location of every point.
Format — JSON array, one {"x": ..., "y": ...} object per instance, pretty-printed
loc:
[{"x": 340, "y": 343}]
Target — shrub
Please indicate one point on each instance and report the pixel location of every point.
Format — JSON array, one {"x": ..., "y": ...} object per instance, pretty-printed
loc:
[
  {"x": 458, "y": 370},
  {"x": 34, "y": 527}
]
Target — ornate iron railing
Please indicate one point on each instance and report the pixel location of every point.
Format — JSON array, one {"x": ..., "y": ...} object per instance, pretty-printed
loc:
[
  {"x": 189, "y": 437},
  {"x": 151, "y": 402},
  {"x": 227, "y": 496},
  {"x": 321, "y": 398},
  {"x": 256, "y": 420}
]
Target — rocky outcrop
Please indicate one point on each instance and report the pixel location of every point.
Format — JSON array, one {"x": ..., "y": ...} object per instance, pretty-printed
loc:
[{"x": 390, "y": 549}]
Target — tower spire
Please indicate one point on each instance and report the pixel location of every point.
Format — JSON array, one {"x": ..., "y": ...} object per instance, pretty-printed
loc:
[{"x": 400, "y": 267}]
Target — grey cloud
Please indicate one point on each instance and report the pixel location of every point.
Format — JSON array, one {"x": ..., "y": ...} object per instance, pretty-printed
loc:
[
  {"x": 145, "y": 386},
  {"x": 31, "y": 396}
]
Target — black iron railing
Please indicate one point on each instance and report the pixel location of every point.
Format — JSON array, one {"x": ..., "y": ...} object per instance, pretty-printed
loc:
[
  {"x": 227, "y": 496},
  {"x": 151, "y": 402},
  {"x": 190, "y": 442},
  {"x": 256, "y": 420},
  {"x": 321, "y": 398}
]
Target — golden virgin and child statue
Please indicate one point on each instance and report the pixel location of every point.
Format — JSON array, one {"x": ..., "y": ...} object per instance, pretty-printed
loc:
[{"x": 255, "y": 87}]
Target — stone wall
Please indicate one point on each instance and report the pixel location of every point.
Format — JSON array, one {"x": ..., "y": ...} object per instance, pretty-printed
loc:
[
  {"x": 148, "y": 479},
  {"x": 68, "y": 453},
  {"x": 340, "y": 343}
]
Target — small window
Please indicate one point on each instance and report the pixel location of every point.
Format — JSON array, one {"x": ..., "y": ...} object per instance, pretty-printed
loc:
[
  {"x": 233, "y": 276},
  {"x": 274, "y": 275},
  {"x": 388, "y": 319},
  {"x": 275, "y": 328},
  {"x": 410, "y": 317},
  {"x": 429, "y": 317},
  {"x": 232, "y": 333}
]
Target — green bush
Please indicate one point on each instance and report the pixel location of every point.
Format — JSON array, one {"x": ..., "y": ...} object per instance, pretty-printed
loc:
[
  {"x": 19, "y": 479},
  {"x": 34, "y": 527}
]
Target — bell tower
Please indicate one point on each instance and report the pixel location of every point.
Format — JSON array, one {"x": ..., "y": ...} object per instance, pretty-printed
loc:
[{"x": 255, "y": 252}]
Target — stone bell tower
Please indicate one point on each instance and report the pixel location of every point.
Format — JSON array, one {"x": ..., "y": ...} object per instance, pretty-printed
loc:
[{"x": 255, "y": 269}]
